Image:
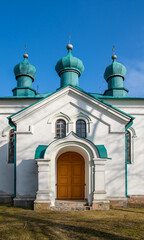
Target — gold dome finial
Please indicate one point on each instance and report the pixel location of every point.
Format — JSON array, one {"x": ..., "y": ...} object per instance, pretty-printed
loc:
[
  {"x": 69, "y": 46},
  {"x": 25, "y": 55},
  {"x": 114, "y": 56}
]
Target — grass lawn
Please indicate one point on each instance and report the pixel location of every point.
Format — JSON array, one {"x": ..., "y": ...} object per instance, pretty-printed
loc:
[{"x": 117, "y": 223}]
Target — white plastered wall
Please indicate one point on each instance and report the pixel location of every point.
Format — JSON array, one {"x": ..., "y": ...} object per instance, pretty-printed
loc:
[
  {"x": 7, "y": 108},
  {"x": 36, "y": 129},
  {"x": 134, "y": 107}
]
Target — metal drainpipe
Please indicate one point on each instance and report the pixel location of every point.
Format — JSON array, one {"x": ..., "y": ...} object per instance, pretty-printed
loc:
[
  {"x": 14, "y": 127},
  {"x": 126, "y": 178}
]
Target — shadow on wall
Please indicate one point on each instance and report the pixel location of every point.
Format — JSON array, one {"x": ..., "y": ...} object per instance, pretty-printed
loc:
[
  {"x": 27, "y": 178},
  {"x": 6, "y": 170}
]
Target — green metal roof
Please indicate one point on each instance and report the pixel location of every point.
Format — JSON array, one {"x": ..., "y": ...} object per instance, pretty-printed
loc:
[
  {"x": 101, "y": 96},
  {"x": 37, "y": 96},
  {"x": 25, "y": 68},
  {"x": 68, "y": 63},
  {"x": 114, "y": 69},
  {"x": 40, "y": 151},
  {"x": 102, "y": 151}
]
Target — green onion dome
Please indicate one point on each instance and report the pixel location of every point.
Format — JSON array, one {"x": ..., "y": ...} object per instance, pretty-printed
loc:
[
  {"x": 24, "y": 68},
  {"x": 115, "y": 70},
  {"x": 69, "y": 63}
]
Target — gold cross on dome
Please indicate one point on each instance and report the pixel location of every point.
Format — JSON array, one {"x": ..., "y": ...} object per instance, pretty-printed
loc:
[
  {"x": 69, "y": 37},
  {"x": 25, "y": 49},
  {"x": 113, "y": 50}
]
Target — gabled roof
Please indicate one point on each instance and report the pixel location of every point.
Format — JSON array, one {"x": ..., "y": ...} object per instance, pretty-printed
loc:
[{"x": 78, "y": 91}]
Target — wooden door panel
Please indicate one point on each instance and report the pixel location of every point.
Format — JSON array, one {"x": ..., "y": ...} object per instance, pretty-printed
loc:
[
  {"x": 63, "y": 192},
  {"x": 63, "y": 174},
  {"x": 76, "y": 181},
  {"x": 77, "y": 192},
  {"x": 70, "y": 176},
  {"x": 76, "y": 169},
  {"x": 63, "y": 170}
]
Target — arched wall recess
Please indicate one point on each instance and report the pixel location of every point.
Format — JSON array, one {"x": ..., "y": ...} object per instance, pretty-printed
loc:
[
  {"x": 133, "y": 135},
  {"x": 84, "y": 117},
  {"x": 60, "y": 115}
]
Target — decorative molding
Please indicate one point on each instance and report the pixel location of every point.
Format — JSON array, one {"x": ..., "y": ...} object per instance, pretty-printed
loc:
[
  {"x": 132, "y": 130},
  {"x": 59, "y": 115},
  {"x": 82, "y": 115},
  {"x": 6, "y": 131}
]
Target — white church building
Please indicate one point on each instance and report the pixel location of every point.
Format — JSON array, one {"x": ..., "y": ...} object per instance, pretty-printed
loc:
[{"x": 71, "y": 146}]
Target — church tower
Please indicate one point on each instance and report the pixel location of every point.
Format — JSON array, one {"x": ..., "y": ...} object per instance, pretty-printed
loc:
[
  {"x": 25, "y": 74},
  {"x": 114, "y": 75},
  {"x": 69, "y": 69}
]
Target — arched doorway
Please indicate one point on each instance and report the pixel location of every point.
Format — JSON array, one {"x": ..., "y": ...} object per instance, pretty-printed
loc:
[{"x": 70, "y": 176}]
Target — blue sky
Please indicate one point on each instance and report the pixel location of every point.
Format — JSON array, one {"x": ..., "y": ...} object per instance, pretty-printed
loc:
[{"x": 95, "y": 26}]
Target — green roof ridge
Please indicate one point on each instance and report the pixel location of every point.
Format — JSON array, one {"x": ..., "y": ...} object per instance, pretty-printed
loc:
[{"x": 59, "y": 89}]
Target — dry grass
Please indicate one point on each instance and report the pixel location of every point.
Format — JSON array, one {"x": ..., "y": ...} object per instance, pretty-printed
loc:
[{"x": 21, "y": 224}]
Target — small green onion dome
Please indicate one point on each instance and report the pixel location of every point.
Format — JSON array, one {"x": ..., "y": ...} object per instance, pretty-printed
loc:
[
  {"x": 69, "y": 63},
  {"x": 115, "y": 69},
  {"x": 24, "y": 68}
]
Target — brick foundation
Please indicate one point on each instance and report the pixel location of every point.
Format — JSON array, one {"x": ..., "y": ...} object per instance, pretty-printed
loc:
[
  {"x": 118, "y": 203},
  {"x": 41, "y": 205},
  {"x": 101, "y": 205},
  {"x": 136, "y": 200}
]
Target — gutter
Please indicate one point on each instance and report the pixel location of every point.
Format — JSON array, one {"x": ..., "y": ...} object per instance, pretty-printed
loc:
[
  {"x": 126, "y": 178},
  {"x": 14, "y": 127}
]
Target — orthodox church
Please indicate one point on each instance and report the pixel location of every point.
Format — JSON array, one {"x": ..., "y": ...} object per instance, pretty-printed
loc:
[{"x": 71, "y": 147}]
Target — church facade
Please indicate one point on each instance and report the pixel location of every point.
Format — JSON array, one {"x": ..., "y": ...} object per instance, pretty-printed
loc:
[{"x": 71, "y": 145}]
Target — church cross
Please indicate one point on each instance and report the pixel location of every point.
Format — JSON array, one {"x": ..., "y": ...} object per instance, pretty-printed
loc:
[
  {"x": 113, "y": 50},
  {"x": 69, "y": 37},
  {"x": 25, "y": 49}
]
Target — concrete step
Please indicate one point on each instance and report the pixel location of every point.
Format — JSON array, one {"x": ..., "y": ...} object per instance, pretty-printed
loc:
[{"x": 70, "y": 205}]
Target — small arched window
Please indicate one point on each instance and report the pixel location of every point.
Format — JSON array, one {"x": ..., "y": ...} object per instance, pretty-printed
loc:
[
  {"x": 81, "y": 128},
  {"x": 128, "y": 136},
  {"x": 11, "y": 146},
  {"x": 60, "y": 128}
]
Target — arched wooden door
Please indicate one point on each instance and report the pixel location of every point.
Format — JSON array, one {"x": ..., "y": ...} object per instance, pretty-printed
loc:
[{"x": 70, "y": 176}]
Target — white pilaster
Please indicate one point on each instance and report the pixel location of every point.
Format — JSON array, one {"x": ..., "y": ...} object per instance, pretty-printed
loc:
[
  {"x": 99, "y": 197},
  {"x": 99, "y": 179},
  {"x": 43, "y": 193}
]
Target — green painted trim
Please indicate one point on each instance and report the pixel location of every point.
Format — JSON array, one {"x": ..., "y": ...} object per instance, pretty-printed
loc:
[
  {"x": 101, "y": 96},
  {"x": 95, "y": 95},
  {"x": 126, "y": 163},
  {"x": 14, "y": 127},
  {"x": 129, "y": 125},
  {"x": 40, "y": 151},
  {"x": 102, "y": 151},
  {"x": 126, "y": 98},
  {"x": 32, "y": 104},
  {"x": 107, "y": 104},
  {"x": 21, "y": 97},
  {"x": 37, "y": 96}
]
